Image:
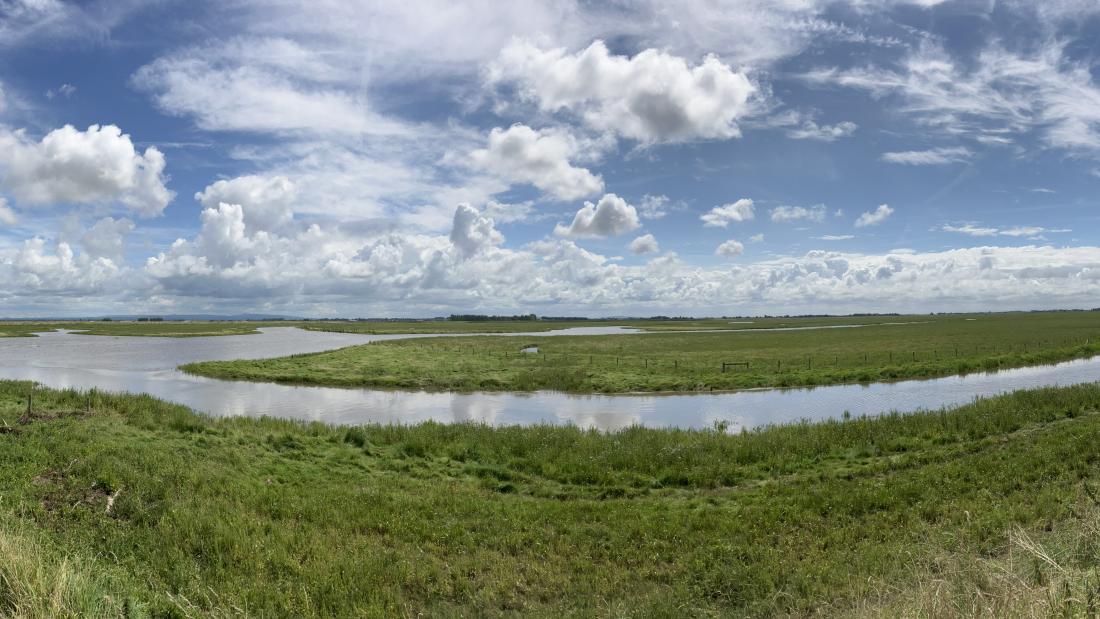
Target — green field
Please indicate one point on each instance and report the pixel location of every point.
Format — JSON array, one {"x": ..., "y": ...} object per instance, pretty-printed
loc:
[
  {"x": 986, "y": 509},
  {"x": 23, "y": 329},
  {"x": 148, "y": 329},
  {"x": 229, "y": 327},
  {"x": 913, "y": 347},
  {"x": 707, "y": 324}
]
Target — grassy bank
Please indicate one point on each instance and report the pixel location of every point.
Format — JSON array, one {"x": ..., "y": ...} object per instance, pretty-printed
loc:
[
  {"x": 22, "y": 329},
  {"x": 137, "y": 329},
  {"x": 125, "y": 505},
  {"x": 690, "y": 361}
]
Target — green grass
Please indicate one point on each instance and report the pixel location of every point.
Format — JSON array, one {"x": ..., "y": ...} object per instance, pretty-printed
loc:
[
  {"x": 24, "y": 329},
  {"x": 919, "y": 347},
  {"x": 211, "y": 328},
  {"x": 272, "y": 518},
  {"x": 166, "y": 329},
  {"x": 150, "y": 329},
  {"x": 431, "y": 327}
]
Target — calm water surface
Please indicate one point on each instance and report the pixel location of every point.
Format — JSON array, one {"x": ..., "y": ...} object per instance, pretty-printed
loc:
[{"x": 147, "y": 364}]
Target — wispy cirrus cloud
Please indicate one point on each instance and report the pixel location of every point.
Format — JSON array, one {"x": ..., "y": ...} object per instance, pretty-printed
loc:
[
  {"x": 810, "y": 130},
  {"x": 975, "y": 230},
  {"x": 1001, "y": 94},
  {"x": 932, "y": 156}
]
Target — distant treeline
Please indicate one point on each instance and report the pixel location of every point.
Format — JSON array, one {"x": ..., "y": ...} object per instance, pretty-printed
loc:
[
  {"x": 533, "y": 317},
  {"x": 564, "y": 318},
  {"x": 854, "y": 315},
  {"x": 670, "y": 318},
  {"x": 486, "y": 318}
]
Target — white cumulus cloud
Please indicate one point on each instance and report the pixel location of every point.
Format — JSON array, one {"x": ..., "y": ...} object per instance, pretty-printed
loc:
[
  {"x": 875, "y": 217},
  {"x": 267, "y": 202},
  {"x": 611, "y": 216},
  {"x": 107, "y": 238},
  {"x": 473, "y": 232},
  {"x": 721, "y": 216},
  {"x": 650, "y": 97},
  {"x": 521, "y": 154},
  {"x": 729, "y": 249},
  {"x": 645, "y": 244},
  {"x": 7, "y": 216},
  {"x": 96, "y": 166}
]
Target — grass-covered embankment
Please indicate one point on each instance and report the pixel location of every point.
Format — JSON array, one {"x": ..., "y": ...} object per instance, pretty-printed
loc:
[
  {"x": 269, "y": 518},
  {"x": 683, "y": 362}
]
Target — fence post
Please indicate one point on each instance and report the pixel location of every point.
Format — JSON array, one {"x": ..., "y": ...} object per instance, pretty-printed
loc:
[{"x": 30, "y": 406}]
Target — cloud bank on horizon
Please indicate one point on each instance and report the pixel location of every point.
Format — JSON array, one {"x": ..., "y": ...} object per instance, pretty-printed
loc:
[{"x": 714, "y": 157}]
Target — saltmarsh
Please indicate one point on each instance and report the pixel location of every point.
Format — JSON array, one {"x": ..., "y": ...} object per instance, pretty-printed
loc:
[
  {"x": 247, "y": 517},
  {"x": 203, "y": 328},
  {"x": 904, "y": 347}
]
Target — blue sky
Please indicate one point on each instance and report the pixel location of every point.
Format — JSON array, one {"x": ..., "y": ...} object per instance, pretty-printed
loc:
[{"x": 413, "y": 159}]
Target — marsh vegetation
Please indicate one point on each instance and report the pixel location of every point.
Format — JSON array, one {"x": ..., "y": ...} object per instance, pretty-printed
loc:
[
  {"x": 797, "y": 354},
  {"x": 118, "y": 505}
]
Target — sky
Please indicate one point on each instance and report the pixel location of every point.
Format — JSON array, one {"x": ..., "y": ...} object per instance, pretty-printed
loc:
[{"x": 413, "y": 159}]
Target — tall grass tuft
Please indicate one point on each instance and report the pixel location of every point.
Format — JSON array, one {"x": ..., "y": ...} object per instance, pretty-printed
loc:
[{"x": 32, "y": 586}]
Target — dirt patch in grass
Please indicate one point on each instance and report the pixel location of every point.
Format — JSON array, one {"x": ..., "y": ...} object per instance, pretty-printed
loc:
[{"x": 62, "y": 495}]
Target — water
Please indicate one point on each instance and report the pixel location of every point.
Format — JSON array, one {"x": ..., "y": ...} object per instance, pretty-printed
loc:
[{"x": 147, "y": 364}]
